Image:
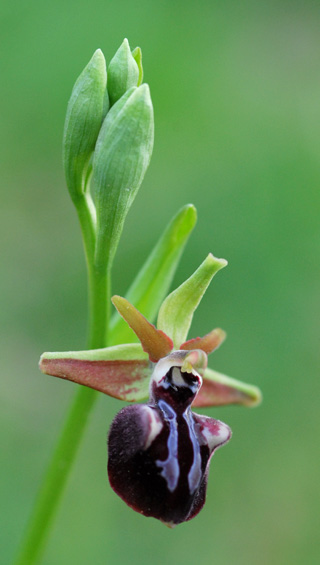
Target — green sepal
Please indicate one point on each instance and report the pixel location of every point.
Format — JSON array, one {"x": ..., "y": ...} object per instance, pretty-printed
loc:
[
  {"x": 83, "y": 121},
  {"x": 121, "y": 158},
  {"x": 219, "y": 390},
  {"x": 137, "y": 55},
  {"x": 153, "y": 281},
  {"x": 122, "y": 352},
  {"x": 123, "y": 72},
  {"x": 176, "y": 313},
  {"x": 122, "y": 371}
]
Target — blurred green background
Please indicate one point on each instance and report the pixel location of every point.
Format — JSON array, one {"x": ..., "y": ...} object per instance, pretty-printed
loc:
[{"x": 236, "y": 89}]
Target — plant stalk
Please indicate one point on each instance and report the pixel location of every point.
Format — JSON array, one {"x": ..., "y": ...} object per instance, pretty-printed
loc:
[{"x": 59, "y": 469}]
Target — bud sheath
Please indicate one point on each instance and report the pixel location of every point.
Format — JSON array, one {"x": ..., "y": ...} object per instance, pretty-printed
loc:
[
  {"x": 83, "y": 122},
  {"x": 121, "y": 158}
]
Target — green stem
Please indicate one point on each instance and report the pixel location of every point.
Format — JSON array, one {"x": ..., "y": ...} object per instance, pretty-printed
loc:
[
  {"x": 87, "y": 218},
  {"x": 60, "y": 466},
  {"x": 99, "y": 306},
  {"x": 56, "y": 477}
]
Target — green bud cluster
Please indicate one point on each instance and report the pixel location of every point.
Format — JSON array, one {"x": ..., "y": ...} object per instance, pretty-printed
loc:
[{"x": 107, "y": 144}]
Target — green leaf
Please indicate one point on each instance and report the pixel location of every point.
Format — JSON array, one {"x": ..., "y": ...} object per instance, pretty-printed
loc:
[
  {"x": 153, "y": 281},
  {"x": 219, "y": 390},
  {"x": 83, "y": 122},
  {"x": 137, "y": 55},
  {"x": 122, "y": 371},
  {"x": 121, "y": 158},
  {"x": 176, "y": 313},
  {"x": 123, "y": 72}
]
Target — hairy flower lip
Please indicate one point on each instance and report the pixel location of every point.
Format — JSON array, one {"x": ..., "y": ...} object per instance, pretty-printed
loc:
[{"x": 159, "y": 453}]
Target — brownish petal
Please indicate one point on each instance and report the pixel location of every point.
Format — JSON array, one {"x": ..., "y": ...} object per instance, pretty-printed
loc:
[
  {"x": 208, "y": 343},
  {"x": 154, "y": 342}
]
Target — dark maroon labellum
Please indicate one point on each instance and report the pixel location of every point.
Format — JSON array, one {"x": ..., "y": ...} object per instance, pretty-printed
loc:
[{"x": 159, "y": 453}]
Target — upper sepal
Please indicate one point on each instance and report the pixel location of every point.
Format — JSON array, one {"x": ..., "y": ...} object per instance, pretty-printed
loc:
[
  {"x": 152, "y": 283},
  {"x": 176, "y": 313}
]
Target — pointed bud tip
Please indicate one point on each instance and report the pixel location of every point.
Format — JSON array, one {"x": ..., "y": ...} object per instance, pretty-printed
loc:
[
  {"x": 136, "y": 50},
  {"x": 137, "y": 55},
  {"x": 98, "y": 58},
  {"x": 143, "y": 90},
  {"x": 98, "y": 53},
  {"x": 140, "y": 94},
  {"x": 125, "y": 46}
]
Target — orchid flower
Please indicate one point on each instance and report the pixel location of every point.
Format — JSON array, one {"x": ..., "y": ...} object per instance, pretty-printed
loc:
[{"x": 159, "y": 452}]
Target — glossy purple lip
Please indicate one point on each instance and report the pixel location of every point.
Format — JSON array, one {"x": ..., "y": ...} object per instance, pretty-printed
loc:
[{"x": 159, "y": 453}]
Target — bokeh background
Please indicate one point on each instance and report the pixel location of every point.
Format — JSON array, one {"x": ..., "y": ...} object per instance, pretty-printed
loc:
[{"x": 236, "y": 89}]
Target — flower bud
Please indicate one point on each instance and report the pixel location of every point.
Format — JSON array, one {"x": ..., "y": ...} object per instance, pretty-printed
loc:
[
  {"x": 137, "y": 55},
  {"x": 123, "y": 72},
  {"x": 83, "y": 121},
  {"x": 121, "y": 158}
]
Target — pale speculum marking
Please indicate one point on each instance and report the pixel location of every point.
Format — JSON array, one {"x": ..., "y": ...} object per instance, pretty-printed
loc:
[
  {"x": 170, "y": 467},
  {"x": 194, "y": 475}
]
